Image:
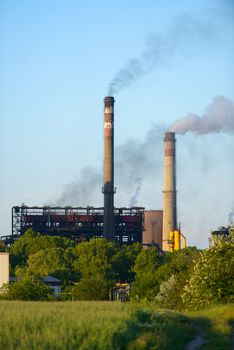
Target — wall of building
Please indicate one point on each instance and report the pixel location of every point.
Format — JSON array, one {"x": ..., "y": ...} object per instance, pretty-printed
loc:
[
  {"x": 4, "y": 268},
  {"x": 153, "y": 227}
]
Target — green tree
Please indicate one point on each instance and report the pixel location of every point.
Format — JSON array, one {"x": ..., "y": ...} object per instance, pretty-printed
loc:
[
  {"x": 92, "y": 288},
  {"x": 177, "y": 262},
  {"x": 146, "y": 283},
  {"x": 101, "y": 264},
  {"x": 153, "y": 269},
  {"x": 51, "y": 261},
  {"x": 95, "y": 258},
  {"x": 3, "y": 248},
  {"x": 124, "y": 260},
  {"x": 32, "y": 242},
  {"x": 212, "y": 280},
  {"x": 27, "y": 289},
  {"x": 18, "y": 254}
]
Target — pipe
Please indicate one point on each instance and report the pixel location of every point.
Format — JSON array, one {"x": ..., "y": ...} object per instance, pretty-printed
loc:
[
  {"x": 184, "y": 239},
  {"x": 177, "y": 235},
  {"x": 175, "y": 241}
]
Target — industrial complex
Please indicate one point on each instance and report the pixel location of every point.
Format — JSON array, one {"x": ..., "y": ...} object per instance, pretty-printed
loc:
[{"x": 157, "y": 228}]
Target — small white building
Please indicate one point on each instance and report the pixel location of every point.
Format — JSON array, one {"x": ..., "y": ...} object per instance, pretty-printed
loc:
[
  {"x": 50, "y": 281},
  {"x": 54, "y": 284},
  {"x": 4, "y": 268}
]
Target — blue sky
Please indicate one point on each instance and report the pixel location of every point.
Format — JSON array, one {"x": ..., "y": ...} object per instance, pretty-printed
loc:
[{"x": 57, "y": 59}]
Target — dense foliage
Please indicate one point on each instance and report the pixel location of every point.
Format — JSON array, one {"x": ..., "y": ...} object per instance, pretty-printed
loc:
[
  {"x": 212, "y": 280},
  {"x": 32, "y": 242},
  {"x": 92, "y": 288},
  {"x": 28, "y": 289},
  {"x": 152, "y": 270},
  {"x": 184, "y": 279}
]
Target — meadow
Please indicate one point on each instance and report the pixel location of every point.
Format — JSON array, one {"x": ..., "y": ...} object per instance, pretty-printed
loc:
[{"x": 109, "y": 325}]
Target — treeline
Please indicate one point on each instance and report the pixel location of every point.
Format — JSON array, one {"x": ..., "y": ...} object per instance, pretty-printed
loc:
[{"x": 187, "y": 279}]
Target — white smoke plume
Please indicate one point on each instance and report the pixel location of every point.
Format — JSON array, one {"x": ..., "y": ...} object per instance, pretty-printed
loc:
[
  {"x": 196, "y": 170},
  {"x": 231, "y": 216},
  {"x": 218, "y": 117},
  {"x": 179, "y": 39}
]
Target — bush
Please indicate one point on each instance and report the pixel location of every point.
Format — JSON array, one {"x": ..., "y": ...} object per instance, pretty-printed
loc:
[
  {"x": 91, "y": 288},
  {"x": 169, "y": 295},
  {"x": 27, "y": 289},
  {"x": 212, "y": 281}
]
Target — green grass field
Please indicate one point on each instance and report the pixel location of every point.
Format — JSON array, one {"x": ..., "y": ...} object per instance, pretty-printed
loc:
[
  {"x": 216, "y": 322},
  {"x": 106, "y": 325}
]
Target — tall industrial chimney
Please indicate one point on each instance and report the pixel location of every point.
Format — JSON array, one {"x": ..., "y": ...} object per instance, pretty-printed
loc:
[
  {"x": 108, "y": 189},
  {"x": 169, "y": 193}
]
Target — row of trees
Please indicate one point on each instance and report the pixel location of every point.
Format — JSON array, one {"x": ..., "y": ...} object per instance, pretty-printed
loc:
[{"x": 185, "y": 279}]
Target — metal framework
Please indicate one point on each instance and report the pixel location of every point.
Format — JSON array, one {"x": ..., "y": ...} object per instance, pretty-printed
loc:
[{"x": 76, "y": 222}]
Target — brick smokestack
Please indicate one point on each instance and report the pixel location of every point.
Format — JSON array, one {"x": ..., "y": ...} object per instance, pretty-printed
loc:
[
  {"x": 108, "y": 189},
  {"x": 169, "y": 192}
]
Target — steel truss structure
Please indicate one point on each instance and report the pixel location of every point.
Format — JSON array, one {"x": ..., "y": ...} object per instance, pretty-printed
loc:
[{"x": 77, "y": 223}]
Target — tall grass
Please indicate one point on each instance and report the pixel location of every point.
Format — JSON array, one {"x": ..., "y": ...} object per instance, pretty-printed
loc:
[
  {"x": 216, "y": 323},
  {"x": 86, "y": 325},
  {"x": 106, "y": 326}
]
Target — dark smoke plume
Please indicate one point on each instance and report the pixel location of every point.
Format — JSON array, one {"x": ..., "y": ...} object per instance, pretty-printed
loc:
[
  {"x": 180, "y": 38},
  {"x": 218, "y": 117},
  {"x": 134, "y": 199},
  {"x": 134, "y": 160},
  {"x": 82, "y": 192},
  {"x": 144, "y": 159}
]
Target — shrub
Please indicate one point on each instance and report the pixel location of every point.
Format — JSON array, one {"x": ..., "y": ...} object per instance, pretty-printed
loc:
[
  {"x": 169, "y": 295},
  {"x": 212, "y": 281},
  {"x": 27, "y": 289},
  {"x": 92, "y": 288}
]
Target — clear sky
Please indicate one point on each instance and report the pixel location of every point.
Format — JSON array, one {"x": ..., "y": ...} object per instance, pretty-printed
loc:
[{"x": 57, "y": 59}]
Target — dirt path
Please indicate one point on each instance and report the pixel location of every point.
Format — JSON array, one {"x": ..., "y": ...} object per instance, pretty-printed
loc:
[
  {"x": 196, "y": 343},
  {"x": 232, "y": 335}
]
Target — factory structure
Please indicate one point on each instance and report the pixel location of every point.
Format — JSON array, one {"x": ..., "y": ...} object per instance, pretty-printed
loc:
[{"x": 157, "y": 228}]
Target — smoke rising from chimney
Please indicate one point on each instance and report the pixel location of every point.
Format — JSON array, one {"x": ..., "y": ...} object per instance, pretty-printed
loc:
[
  {"x": 133, "y": 157},
  {"x": 180, "y": 38},
  {"x": 134, "y": 199},
  {"x": 82, "y": 192},
  {"x": 218, "y": 117},
  {"x": 231, "y": 216},
  {"x": 144, "y": 158},
  {"x": 197, "y": 158}
]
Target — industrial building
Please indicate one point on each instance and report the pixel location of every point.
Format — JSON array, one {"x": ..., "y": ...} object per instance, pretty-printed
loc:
[
  {"x": 152, "y": 234},
  {"x": 222, "y": 232},
  {"x": 124, "y": 225},
  {"x": 131, "y": 224},
  {"x": 78, "y": 223}
]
